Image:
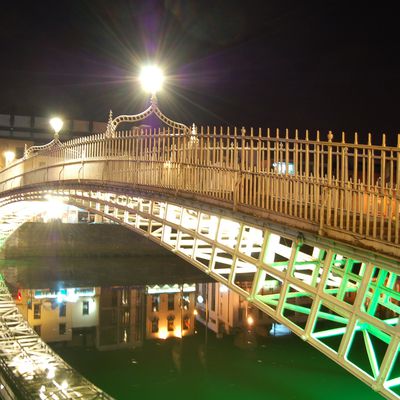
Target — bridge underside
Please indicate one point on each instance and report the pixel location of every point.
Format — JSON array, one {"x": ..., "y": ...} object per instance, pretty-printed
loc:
[
  {"x": 29, "y": 368},
  {"x": 344, "y": 304}
]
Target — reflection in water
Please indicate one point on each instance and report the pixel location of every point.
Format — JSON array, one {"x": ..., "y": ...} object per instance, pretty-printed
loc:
[
  {"x": 174, "y": 336},
  {"x": 109, "y": 317}
]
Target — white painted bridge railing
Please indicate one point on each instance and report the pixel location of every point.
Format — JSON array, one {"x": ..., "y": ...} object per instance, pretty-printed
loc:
[{"x": 346, "y": 191}]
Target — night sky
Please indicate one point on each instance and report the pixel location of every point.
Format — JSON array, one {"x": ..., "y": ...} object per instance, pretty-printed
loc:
[{"x": 279, "y": 64}]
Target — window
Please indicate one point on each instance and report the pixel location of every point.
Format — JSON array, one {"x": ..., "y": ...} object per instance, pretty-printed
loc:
[
  {"x": 36, "y": 311},
  {"x": 170, "y": 320},
  {"x": 63, "y": 309},
  {"x": 124, "y": 335},
  {"x": 85, "y": 308},
  {"x": 171, "y": 301},
  {"x": 62, "y": 329},
  {"x": 155, "y": 302},
  {"x": 154, "y": 325},
  {"x": 37, "y": 329},
  {"x": 125, "y": 317},
  {"x": 114, "y": 298},
  {"x": 185, "y": 302},
  {"x": 124, "y": 296},
  {"x": 213, "y": 297},
  {"x": 186, "y": 322}
]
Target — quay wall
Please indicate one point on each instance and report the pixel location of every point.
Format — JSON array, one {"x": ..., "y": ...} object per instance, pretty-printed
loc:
[{"x": 35, "y": 239}]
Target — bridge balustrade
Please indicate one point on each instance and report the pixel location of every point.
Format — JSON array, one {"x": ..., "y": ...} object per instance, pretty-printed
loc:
[{"x": 342, "y": 190}]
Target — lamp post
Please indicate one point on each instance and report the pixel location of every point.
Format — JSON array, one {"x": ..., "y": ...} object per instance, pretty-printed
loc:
[{"x": 56, "y": 123}]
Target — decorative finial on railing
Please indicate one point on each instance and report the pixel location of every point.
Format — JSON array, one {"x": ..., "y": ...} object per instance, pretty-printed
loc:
[
  {"x": 153, "y": 100},
  {"x": 110, "y": 129},
  {"x": 194, "y": 140},
  {"x": 330, "y": 136}
]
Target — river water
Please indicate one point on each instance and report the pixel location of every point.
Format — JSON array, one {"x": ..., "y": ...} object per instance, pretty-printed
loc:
[{"x": 128, "y": 352}]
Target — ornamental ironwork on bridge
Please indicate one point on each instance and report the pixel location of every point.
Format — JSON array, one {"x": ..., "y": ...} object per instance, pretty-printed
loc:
[{"x": 313, "y": 224}]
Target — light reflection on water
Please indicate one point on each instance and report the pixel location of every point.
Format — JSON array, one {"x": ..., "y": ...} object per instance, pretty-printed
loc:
[{"x": 142, "y": 332}]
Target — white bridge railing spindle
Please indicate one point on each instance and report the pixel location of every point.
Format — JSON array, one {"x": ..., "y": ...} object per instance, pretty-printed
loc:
[{"x": 338, "y": 189}]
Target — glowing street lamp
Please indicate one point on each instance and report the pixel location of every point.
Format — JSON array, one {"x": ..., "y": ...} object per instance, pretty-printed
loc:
[
  {"x": 56, "y": 124},
  {"x": 152, "y": 78},
  {"x": 9, "y": 157}
]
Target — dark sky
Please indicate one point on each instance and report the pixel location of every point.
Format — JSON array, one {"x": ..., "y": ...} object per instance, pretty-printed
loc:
[{"x": 313, "y": 64}]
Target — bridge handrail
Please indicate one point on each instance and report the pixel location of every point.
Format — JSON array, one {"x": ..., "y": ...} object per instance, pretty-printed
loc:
[{"x": 347, "y": 186}]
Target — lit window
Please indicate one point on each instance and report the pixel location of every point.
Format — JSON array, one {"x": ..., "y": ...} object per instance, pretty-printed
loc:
[
  {"x": 125, "y": 317},
  {"x": 185, "y": 302},
  {"x": 186, "y": 322},
  {"x": 124, "y": 296},
  {"x": 283, "y": 168},
  {"x": 155, "y": 303}
]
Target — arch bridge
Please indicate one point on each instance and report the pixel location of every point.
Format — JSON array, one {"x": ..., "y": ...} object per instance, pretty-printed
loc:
[{"x": 312, "y": 224}]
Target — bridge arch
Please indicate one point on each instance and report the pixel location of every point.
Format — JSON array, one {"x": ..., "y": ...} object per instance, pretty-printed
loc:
[
  {"x": 314, "y": 225},
  {"x": 332, "y": 295}
]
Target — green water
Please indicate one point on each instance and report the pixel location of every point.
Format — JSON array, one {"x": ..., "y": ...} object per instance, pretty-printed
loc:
[
  {"x": 243, "y": 366},
  {"x": 283, "y": 368}
]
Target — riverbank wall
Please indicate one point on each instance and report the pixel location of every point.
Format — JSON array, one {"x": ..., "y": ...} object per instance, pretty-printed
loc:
[{"x": 35, "y": 239}]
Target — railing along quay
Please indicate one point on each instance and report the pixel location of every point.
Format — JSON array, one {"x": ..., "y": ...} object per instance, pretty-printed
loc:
[{"x": 346, "y": 191}]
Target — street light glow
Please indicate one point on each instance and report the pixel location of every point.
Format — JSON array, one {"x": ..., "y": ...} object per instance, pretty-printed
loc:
[
  {"x": 9, "y": 156},
  {"x": 151, "y": 77},
  {"x": 56, "y": 123}
]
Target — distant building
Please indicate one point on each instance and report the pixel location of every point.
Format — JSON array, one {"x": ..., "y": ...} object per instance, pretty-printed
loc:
[
  {"x": 38, "y": 130},
  {"x": 12, "y": 149},
  {"x": 228, "y": 312},
  {"x": 170, "y": 311},
  {"x": 107, "y": 318},
  {"x": 121, "y": 313},
  {"x": 55, "y": 314}
]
